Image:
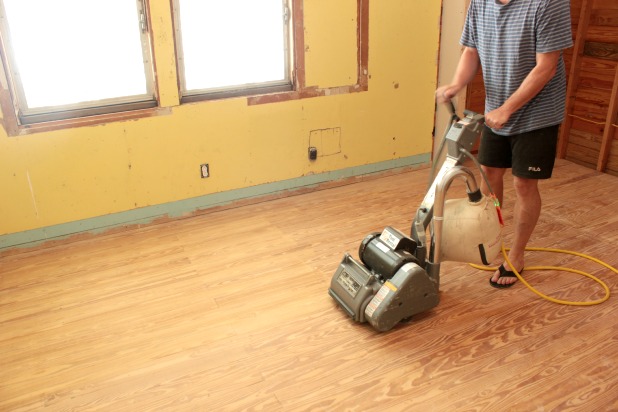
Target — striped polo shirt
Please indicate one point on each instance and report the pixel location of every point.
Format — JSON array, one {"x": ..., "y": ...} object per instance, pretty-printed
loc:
[{"x": 507, "y": 38}]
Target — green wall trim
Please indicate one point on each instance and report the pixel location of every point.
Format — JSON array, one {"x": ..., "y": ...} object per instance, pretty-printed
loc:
[{"x": 148, "y": 214}]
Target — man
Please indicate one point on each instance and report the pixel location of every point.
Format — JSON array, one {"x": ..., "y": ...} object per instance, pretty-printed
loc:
[{"x": 518, "y": 44}]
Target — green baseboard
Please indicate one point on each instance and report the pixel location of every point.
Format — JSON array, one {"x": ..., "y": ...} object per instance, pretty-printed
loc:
[{"x": 145, "y": 215}]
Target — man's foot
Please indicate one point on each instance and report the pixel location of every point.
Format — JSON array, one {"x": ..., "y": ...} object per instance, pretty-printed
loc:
[{"x": 503, "y": 273}]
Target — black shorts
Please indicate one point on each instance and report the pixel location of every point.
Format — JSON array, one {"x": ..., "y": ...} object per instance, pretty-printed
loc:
[{"x": 531, "y": 154}]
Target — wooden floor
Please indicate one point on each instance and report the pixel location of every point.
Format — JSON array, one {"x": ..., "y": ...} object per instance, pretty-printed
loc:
[{"x": 229, "y": 311}]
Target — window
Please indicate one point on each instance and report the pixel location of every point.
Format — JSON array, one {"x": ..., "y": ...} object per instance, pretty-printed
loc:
[
  {"x": 65, "y": 63},
  {"x": 232, "y": 47},
  {"x": 74, "y": 58}
]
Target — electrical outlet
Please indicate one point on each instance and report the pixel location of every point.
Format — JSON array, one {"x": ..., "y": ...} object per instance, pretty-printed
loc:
[
  {"x": 313, "y": 153},
  {"x": 205, "y": 170}
]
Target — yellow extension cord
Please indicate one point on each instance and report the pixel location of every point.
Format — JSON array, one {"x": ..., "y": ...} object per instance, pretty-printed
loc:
[{"x": 549, "y": 298}]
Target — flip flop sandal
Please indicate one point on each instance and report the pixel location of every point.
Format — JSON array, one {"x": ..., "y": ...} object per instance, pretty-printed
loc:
[{"x": 504, "y": 273}]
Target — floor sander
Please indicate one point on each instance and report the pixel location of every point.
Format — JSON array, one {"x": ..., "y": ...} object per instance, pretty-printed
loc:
[{"x": 398, "y": 276}]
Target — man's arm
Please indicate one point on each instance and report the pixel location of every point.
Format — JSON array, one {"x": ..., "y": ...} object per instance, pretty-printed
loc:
[
  {"x": 545, "y": 69},
  {"x": 466, "y": 70}
]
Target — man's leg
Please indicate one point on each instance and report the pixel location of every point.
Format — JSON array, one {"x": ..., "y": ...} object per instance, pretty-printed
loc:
[
  {"x": 526, "y": 215},
  {"x": 495, "y": 176}
]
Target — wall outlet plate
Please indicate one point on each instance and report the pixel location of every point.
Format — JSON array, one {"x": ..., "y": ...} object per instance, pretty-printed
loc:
[{"x": 205, "y": 170}]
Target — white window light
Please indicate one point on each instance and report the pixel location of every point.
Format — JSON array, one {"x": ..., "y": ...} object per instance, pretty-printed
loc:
[{"x": 232, "y": 45}]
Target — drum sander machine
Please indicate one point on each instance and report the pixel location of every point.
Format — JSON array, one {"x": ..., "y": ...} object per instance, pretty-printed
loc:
[{"x": 398, "y": 276}]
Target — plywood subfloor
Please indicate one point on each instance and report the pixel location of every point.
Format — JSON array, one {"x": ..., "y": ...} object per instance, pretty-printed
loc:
[{"x": 229, "y": 311}]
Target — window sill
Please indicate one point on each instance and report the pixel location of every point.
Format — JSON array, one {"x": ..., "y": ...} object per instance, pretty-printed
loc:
[
  {"x": 27, "y": 129},
  {"x": 306, "y": 93}
]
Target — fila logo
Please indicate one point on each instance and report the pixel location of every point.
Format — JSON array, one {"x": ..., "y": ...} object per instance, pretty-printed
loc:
[{"x": 534, "y": 169}]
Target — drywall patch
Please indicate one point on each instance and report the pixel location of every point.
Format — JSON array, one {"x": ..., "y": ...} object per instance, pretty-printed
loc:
[{"x": 326, "y": 141}]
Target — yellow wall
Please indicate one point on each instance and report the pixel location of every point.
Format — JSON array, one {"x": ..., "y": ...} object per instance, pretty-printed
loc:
[
  {"x": 63, "y": 176},
  {"x": 453, "y": 18}
]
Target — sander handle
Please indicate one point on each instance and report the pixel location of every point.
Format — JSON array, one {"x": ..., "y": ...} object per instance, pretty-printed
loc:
[{"x": 453, "y": 110}]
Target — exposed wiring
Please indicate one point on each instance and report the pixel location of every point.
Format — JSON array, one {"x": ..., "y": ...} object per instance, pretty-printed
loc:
[{"x": 558, "y": 268}]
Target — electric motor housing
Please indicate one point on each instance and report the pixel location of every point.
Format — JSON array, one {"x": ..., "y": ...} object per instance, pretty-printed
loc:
[{"x": 385, "y": 253}]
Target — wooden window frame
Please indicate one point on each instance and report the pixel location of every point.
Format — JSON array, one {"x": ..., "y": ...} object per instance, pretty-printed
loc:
[{"x": 301, "y": 90}]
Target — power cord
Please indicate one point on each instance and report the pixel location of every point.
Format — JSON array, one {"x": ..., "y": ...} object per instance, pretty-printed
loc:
[{"x": 559, "y": 268}]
